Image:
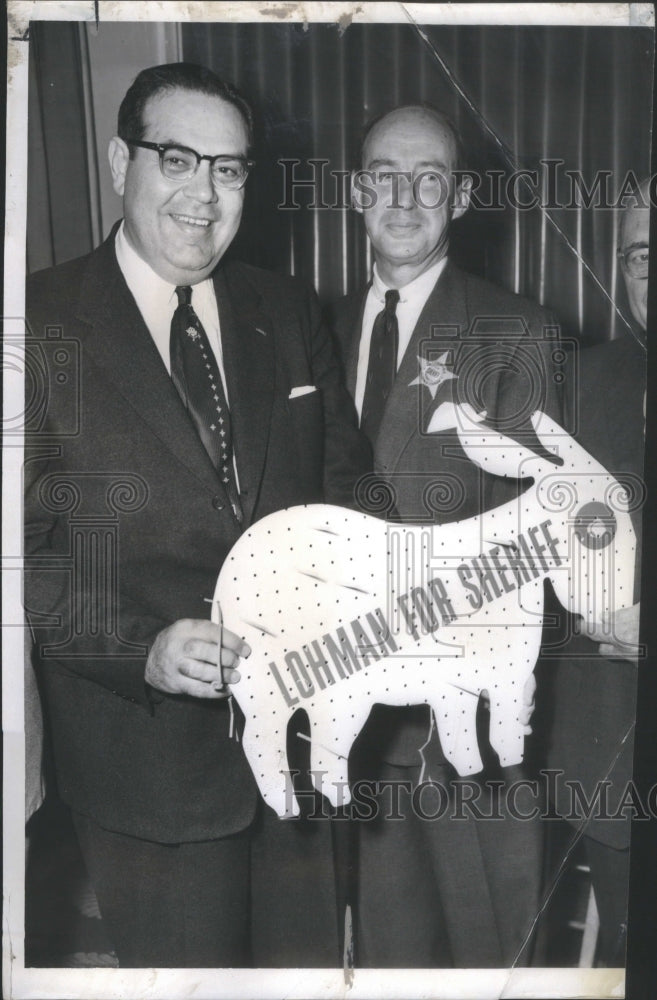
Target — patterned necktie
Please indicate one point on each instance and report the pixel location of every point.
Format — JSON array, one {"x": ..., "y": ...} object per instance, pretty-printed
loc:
[
  {"x": 382, "y": 365},
  {"x": 196, "y": 376}
]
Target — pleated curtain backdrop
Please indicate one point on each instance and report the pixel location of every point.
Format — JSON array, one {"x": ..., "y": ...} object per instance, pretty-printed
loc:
[
  {"x": 59, "y": 199},
  {"x": 78, "y": 75},
  {"x": 518, "y": 95}
]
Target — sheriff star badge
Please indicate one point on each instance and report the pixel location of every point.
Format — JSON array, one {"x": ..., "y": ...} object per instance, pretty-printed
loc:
[{"x": 433, "y": 373}]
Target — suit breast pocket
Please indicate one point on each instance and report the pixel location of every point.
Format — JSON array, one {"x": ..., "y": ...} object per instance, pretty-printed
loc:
[{"x": 306, "y": 415}]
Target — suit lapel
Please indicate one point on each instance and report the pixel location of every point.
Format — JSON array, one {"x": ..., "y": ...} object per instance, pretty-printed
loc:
[
  {"x": 354, "y": 324},
  {"x": 443, "y": 318},
  {"x": 247, "y": 339},
  {"x": 116, "y": 332}
]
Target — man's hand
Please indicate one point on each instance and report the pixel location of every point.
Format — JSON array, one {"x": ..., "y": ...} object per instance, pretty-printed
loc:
[
  {"x": 526, "y": 710},
  {"x": 195, "y": 657},
  {"x": 618, "y": 634}
]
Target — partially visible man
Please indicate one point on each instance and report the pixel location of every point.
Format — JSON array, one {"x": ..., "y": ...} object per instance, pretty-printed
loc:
[
  {"x": 437, "y": 892},
  {"x": 594, "y": 686},
  {"x": 208, "y": 397}
]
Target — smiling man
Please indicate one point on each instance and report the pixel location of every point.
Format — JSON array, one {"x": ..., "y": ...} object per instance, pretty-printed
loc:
[
  {"x": 434, "y": 890},
  {"x": 208, "y": 398}
]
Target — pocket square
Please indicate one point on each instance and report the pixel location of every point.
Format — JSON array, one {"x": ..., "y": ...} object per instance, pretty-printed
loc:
[{"x": 302, "y": 390}]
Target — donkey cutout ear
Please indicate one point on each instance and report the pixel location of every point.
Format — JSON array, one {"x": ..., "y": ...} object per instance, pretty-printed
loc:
[{"x": 493, "y": 451}]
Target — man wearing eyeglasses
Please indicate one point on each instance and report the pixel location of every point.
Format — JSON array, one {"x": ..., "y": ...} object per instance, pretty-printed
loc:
[
  {"x": 593, "y": 682},
  {"x": 634, "y": 253},
  {"x": 210, "y": 389}
]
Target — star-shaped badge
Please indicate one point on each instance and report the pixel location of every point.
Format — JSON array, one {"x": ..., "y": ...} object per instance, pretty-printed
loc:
[{"x": 433, "y": 373}]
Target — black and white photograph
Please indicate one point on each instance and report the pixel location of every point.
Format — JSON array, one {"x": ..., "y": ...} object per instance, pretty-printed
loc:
[{"x": 327, "y": 611}]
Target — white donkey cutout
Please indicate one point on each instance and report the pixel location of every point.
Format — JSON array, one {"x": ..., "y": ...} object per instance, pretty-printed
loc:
[{"x": 342, "y": 610}]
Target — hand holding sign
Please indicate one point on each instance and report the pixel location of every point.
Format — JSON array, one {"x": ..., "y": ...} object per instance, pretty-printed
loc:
[
  {"x": 196, "y": 658},
  {"x": 618, "y": 634}
]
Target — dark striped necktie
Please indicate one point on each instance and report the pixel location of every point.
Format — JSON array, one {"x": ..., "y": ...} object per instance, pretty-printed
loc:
[
  {"x": 196, "y": 376},
  {"x": 382, "y": 365}
]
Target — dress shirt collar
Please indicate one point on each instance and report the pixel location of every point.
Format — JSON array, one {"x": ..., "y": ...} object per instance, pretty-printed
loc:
[
  {"x": 412, "y": 300},
  {"x": 157, "y": 301},
  {"x": 149, "y": 290},
  {"x": 417, "y": 290}
]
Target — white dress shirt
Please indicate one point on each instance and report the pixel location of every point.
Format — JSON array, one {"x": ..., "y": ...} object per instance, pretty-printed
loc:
[
  {"x": 412, "y": 300},
  {"x": 157, "y": 301}
]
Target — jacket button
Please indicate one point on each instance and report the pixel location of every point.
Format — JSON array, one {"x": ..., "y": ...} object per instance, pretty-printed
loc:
[{"x": 217, "y": 503}]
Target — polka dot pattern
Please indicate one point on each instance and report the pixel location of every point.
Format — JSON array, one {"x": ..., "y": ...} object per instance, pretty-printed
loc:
[{"x": 343, "y": 611}]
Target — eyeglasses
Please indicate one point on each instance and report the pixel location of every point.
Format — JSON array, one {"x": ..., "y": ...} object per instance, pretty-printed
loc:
[
  {"x": 179, "y": 163},
  {"x": 636, "y": 260}
]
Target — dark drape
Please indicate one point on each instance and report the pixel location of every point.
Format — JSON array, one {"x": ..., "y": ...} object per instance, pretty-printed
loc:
[
  {"x": 59, "y": 197},
  {"x": 581, "y": 96}
]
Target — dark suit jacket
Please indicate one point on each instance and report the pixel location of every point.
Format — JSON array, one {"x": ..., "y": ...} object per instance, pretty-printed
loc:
[
  {"x": 501, "y": 348},
  {"x": 162, "y": 767},
  {"x": 593, "y": 698}
]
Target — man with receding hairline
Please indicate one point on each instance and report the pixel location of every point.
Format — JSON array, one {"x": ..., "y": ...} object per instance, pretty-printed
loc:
[
  {"x": 441, "y": 892},
  {"x": 209, "y": 397}
]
